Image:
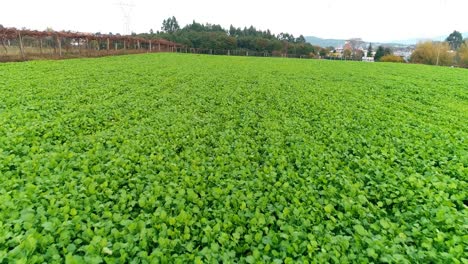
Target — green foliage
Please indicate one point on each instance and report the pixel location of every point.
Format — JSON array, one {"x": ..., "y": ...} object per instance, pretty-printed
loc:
[
  {"x": 212, "y": 36},
  {"x": 176, "y": 158},
  {"x": 369, "y": 50},
  {"x": 455, "y": 40},
  {"x": 170, "y": 25},
  {"x": 300, "y": 39},
  {"x": 381, "y": 51}
]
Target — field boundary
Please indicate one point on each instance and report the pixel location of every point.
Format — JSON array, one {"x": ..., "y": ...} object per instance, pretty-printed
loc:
[{"x": 23, "y": 45}]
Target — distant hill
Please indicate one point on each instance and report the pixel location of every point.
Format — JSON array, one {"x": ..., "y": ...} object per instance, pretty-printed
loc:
[
  {"x": 340, "y": 42},
  {"x": 405, "y": 42},
  {"x": 325, "y": 42},
  {"x": 414, "y": 41}
]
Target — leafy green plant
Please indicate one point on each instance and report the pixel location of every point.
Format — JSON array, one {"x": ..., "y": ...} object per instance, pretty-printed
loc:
[{"x": 182, "y": 158}]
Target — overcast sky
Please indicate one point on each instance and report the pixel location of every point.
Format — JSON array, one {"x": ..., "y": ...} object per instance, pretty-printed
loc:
[{"x": 372, "y": 20}]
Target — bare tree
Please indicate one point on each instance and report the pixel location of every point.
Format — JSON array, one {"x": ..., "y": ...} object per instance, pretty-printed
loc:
[{"x": 355, "y": 43}]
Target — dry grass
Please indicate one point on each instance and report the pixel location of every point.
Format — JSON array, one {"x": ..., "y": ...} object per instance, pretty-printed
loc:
[{"x": 13, "y": 53}]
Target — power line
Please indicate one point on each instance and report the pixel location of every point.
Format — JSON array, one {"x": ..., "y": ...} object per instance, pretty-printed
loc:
[{"x": 126, "y": 8}]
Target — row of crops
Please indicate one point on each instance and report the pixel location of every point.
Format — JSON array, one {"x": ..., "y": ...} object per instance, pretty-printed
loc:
[{"x": 173, "y": 158}]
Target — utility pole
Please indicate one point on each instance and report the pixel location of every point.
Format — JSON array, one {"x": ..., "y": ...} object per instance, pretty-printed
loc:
[{"x": 126, "y": 8}]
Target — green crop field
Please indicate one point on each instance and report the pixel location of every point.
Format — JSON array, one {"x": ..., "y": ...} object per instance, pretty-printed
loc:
[{"x": 174, "y": 158}]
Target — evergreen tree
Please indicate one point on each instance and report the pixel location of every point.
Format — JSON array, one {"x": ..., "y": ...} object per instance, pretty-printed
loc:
[
  {"x": 379, "y": 53},
  {"x": 170, "y": 25},
  {"x": 215, "y": 37},
  {"x": 388, "y": 51},
  {"x": 455, "y": 39},
  {"x": 369, "y": 50},
  {"x": 301, "y": 39},
  {"x": 232, "y": 31}
]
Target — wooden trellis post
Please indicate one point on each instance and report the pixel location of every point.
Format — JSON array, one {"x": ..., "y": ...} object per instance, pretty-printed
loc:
[
  {"x": 4, "y": 46},
  {"x": 21, "y": 45},
  {"x": 59, "y": 42},
  {"x": 52, "y": 42},
  {"x": 59, "y": 39},
  {"x": 87, "y": 46},
  {"x": 40, "y": 45}
]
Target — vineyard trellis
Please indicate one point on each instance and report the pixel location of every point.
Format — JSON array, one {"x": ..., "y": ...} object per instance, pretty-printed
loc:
[{"x": 19, "y": 44}]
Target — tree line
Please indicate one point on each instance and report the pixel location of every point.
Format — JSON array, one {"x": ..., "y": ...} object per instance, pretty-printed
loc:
[
  {"x": 452, "y": 52},
  {"x": 215, "y": 37}
]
